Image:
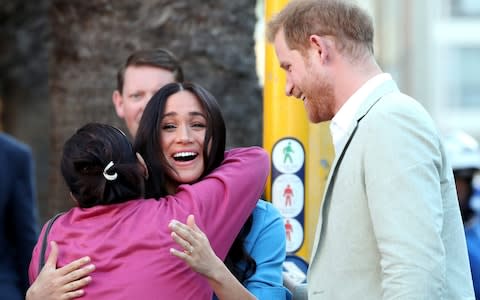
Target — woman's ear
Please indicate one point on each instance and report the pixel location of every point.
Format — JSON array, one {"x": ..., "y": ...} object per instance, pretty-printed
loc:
[
  {"x": 74, "y": 199},
  {"x": 143, "y": 164}
]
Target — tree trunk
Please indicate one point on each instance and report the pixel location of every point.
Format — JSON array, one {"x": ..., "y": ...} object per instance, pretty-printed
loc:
[{"x": 91, "y": 40}]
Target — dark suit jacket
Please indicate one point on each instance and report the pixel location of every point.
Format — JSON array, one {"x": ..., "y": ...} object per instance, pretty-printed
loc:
[{"x": 18, "y": 216}]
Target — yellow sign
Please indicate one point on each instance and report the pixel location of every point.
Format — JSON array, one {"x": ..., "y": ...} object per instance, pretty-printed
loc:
[{"x": 301, "y": 154}]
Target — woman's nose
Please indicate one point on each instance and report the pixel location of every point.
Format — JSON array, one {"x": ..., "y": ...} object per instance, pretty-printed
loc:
[{"x": 184, "y": 135}]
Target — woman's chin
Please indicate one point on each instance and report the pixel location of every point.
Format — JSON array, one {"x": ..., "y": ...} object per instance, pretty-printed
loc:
[{"x": 187, "y": 178}]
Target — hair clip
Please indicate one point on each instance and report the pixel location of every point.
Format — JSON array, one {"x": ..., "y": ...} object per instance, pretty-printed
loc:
[{"x": 107, "y": 176}]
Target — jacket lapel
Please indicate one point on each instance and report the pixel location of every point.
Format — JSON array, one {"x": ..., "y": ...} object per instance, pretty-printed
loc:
[{"x": 385, "y": 88}]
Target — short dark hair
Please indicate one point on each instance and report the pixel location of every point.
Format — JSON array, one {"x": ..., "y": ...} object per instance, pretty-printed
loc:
[
  {"x": 85, "y": 156},
  {"x": 158, "y": 58},
  {"x": 148, "y": 138}
]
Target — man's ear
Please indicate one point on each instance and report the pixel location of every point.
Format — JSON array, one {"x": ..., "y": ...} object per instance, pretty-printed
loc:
[
  {"x": 143, "y": 164},
  {"x": 117, "y": 100},
  {"x": 321, "y": 45}
]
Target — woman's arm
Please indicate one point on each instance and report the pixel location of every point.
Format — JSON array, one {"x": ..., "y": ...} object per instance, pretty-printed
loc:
[
  {"x": 266, "y": 243},
  {"x": 199, "y": 255},
  {"x": 62, "y": 283},
  {"x": 223, "y": 200}
]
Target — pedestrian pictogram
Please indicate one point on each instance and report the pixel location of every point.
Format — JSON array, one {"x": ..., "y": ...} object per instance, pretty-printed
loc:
[
  {"x": 288, "y": 156},
  {"x": 288, "y": 194},
  {"x": 287, "y": 151},
  {"x": 294, "y": 234},
  {"x": 288, "y": 230}
]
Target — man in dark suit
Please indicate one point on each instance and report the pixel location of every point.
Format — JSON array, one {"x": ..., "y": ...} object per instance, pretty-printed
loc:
[{"x": 18, "y": 216}]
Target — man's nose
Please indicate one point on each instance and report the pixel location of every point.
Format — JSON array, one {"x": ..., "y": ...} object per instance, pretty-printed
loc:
[{"x": 289, "y": 88}]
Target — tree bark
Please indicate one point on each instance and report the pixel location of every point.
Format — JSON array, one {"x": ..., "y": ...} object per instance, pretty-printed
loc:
[{"x": 91, "y": 40}]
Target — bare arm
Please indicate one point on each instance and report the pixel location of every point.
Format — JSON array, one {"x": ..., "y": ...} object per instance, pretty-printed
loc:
[
  {"x": 63, "y": 283},
  {"x": 199, "y": 255}
]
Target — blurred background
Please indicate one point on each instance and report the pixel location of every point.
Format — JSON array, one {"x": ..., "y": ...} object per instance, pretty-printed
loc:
[{"x": 59, "y": 58}]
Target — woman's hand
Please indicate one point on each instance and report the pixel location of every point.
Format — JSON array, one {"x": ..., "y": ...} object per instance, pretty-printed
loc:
[
  {"x": 197, "y": 253},
  {"x": 62, "y": 283}
]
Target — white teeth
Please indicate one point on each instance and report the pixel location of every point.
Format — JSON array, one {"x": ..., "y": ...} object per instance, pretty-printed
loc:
[{"x": 184, "y": 154}]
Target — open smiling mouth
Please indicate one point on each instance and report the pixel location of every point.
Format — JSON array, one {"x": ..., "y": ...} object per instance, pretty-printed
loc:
[{"x": 185, "y": 156}]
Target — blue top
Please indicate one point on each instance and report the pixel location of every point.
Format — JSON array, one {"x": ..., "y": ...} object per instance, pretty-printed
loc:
[
  {"x": 472, "y": 233},
  {"x": 266, "y": 244}
]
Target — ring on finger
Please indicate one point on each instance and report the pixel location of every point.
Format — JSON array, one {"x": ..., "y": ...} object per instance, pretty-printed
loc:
[{"x": 188, "y": 249}]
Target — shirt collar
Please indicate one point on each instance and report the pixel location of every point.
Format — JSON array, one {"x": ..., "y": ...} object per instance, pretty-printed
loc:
[{"x": 346, "y": 114}]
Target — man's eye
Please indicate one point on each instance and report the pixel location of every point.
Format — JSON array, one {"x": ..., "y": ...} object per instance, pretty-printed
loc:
[{"x": 136, "y": 96}]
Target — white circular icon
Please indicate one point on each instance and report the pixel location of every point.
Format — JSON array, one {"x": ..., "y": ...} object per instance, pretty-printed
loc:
[
  {"x": 287, "y": 195},
  {"x": 288, "y": 156},
  {"x": 294, "y": 232}
]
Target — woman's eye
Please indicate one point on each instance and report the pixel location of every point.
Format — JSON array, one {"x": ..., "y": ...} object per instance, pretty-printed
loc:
[
  {"x": 168, "y": 126},
  {"x": 199, "y": 125}
]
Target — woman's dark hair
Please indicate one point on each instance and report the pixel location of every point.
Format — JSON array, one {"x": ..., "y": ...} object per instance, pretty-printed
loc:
[
  {"x": 148, "y": 144},
  {"x": 149, "y": 134},
  {"x": 86, "y": 155}
]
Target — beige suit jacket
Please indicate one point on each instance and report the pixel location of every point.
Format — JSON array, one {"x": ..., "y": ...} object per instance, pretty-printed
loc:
[{"x": 389, "y": 224}]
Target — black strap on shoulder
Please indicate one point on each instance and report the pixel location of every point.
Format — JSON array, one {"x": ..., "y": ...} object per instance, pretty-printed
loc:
[{"x": 41, "y": 261}]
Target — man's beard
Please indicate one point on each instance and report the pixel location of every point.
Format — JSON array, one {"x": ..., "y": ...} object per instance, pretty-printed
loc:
[{"x": 320, "y": 100}]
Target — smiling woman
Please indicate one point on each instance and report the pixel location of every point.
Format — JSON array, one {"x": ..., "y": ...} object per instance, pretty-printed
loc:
[
  {"x": 182, "y": 141},
  {"x": 183, "y": 128}
]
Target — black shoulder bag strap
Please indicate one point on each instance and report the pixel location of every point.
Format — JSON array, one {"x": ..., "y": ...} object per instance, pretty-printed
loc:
[{"x": 41, "y": 261}]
